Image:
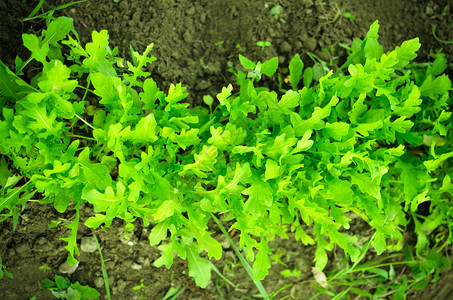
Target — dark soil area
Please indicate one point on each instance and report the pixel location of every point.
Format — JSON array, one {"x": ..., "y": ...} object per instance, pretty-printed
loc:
[{"x": 195, "y": 43}]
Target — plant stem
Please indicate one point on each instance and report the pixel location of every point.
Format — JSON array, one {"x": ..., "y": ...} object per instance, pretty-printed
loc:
[
  {"x": 81, "y": 119},
  {"x": 241, "y": 258},
  {"x": 104, "y": 271}
]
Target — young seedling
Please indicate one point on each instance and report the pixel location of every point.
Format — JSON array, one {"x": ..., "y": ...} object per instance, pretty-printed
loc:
[
  {"x": 263, "y": 44},
  {"x": 349, "y": 16}
]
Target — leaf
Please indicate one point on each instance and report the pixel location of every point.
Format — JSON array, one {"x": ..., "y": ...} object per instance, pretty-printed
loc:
[
  {"x": 175, "y": 94},
  {"x": 144, "y": 131},
  {"x": 150, "y": 94},
  {"x": 61, "y": 202},
  {"x": 165, "y": 210},
  {"x": 262, "y": 262},
  {"x": 43, "y": 124},
  {"x": 56, "y": 78},
  {"x": 437, "y": 86},
  {"x": 260, "y": 196},
  {"x": 39, "y": 52},
  {"x": 58, "y": 29},
  {"x": 269, "y": 67},
  {"x": 102, "y": 201},
  {"x": 97, "y": 174},
  {"x": 379, "y": 243},
  {"x": 104, "y": 88},
  {"x": 316, "y": 121},
  {"x": 295, "y": 70},
  {"x": 272, "y": 170},
  {"x": 246, "y": 63},
  {"x": 407, "y": 52},
  {"x": 336, "y": 130},
  {"x": 167, "y": 256},
  {"x": 366, "y": 185},
  {"x": 204, "y": 162},
  {"x": 199, "y": 268},
  {"x": 72, "y": 239},
  {"x": 96, "y": 49},
  {"x": 158, "y": 233}
]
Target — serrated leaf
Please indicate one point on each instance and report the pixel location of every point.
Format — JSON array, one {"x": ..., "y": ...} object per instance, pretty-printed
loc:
[
  {"x": 42, "y": 122},
  {"x": 72, "y": 239},
  {"x": 336, "y": 130},
  {"x": 39, "y": 52},
  {"x": 167, "y": 256},
  {"x": 102, "y": 201},
  {"x": 97, "y": 174},
  {"x": 204, "y": 162},
  {"x": 259, "y": 197},
  {"x": 144, "y": 131},
  {"x": 407, "y": 52},
  {"x": 56, "y": 78}
]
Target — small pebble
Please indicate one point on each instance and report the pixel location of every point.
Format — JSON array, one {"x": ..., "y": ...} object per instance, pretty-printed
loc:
[
  {"x": 99, "y": 282},
  {"x": 88, "y": 244},
  {"x": 65, "y": 268}
]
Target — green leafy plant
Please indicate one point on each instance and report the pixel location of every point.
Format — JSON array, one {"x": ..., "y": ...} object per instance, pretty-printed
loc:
[
  {"x": 3, "y": 270},
  {"x": 275, "y": 11},
  {"x": 349, "y": 16},
  {"x": 62, "y": 288},
  {"x": 374, "y": 142},
  {"x": 263, "y": 44}
]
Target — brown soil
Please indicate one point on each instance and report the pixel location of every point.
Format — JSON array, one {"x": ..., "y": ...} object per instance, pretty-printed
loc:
[{"x": 194, "y": 41}]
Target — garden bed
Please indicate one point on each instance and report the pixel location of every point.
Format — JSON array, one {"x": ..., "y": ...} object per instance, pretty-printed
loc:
[{"x": 196, "y": 43}]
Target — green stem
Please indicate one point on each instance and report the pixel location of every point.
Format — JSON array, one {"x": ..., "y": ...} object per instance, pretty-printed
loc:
[
  {"x": 104, "y": 271},
  {"x": 83, "y": 137},
  {"x": 81, "y": 119},
  {"x": 241, "y": 258}
]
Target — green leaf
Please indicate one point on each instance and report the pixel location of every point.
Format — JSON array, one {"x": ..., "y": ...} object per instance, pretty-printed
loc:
[
  {"x": 167, "y": 256},
  {"x": 165, "y": 210},
  {"x": 272, "y": 170},
  {"x": 246, "y": 63},
  {"x": 204, "y": 162},
  {"x": 150, "y": 94},
  {"x": 259, "y": 197},
  {"x": 199, "y": 268},
  {"x": 295, "y": 70},
  {"x": 269, "y": 67},
  {"x": 56, "y": 78},
  {"x": 336, "y": 130},
  {"x": 96, "y": 50},
  {"x": 316, "y": 121},
  {"x": 144, "y": 131},
  {"x": 104, "y": 88},
  {"x": 407, "y": 52},
  {"x": 102, "y": 201},
  {"x": 39, "y": 52},
  {"x": 262, "y": 262},
  {"x": 97, "y": 174},
  {"x": 158, "y": 233},
  {"x": 72, "y": 239},
  {"x": 43, "y": 124},
  {"x": 437, "y": 86},
  {"x": 58, "y": 29}
]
